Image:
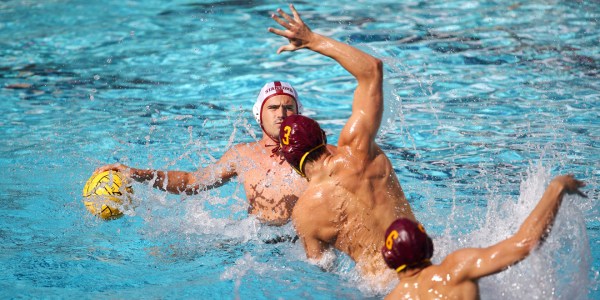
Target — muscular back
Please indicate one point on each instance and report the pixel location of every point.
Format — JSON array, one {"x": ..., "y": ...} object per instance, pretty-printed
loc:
[
  {"x": 435, "y": 283},
  {"x": 353, "y": 194},
  {"x": 350, "y": 206}
]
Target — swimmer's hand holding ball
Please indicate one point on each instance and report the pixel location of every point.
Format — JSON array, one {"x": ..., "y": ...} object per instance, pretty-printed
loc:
[{"x": 106, "y": 194}]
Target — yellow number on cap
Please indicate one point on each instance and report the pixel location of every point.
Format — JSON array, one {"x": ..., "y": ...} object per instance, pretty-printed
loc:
[
  {"x": 286, "y": 137},
  {"x": 389, "y": 242}
]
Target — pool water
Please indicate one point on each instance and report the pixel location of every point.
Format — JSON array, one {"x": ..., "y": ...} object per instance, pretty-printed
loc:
[{"x": 486, "y": 101}]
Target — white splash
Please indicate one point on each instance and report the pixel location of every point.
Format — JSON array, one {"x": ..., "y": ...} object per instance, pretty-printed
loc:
[
  {"x": 241, "y": 268},
  {"x": 556, "y": 270}
]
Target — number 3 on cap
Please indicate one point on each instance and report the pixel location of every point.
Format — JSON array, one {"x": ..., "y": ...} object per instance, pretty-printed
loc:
[{"x": 286, "y": 137}]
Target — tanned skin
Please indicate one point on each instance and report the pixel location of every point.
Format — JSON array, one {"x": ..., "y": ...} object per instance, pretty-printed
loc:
[
  {"x": 353, "y": 193},
  {"x": 272, "y": 187},
  {"x": 457, "y": 275}
]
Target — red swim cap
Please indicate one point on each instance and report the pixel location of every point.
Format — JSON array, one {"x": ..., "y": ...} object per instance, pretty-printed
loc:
[
  {"x": 406, "y": 245},
  {"x": 299, "y": 136}
]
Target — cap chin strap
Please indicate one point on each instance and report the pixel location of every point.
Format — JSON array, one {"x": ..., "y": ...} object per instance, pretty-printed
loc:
[
  {"x": 299, "y": 169},
  {"x": 402, "y": 267},
  {"x": 277, "y": 146}
]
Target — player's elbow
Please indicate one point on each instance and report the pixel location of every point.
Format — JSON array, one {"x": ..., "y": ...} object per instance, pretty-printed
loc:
[
  {"x": 372, "y": 69},
  {"x": 379, "y": 63},
  {"x": 377, "y": 67},
  {"x": 524, "y": 246},
  {"x": 192, "y": 190}
]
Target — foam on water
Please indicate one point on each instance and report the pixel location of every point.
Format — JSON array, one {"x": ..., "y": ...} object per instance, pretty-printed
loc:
[{"x": 557, "y": 270}]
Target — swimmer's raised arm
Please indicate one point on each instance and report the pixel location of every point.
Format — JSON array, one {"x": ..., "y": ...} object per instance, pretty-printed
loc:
[
  {"x": 471, "y": 264},
  {"x": 178, "y": 182},
  {"x": 367, "y": 108}
]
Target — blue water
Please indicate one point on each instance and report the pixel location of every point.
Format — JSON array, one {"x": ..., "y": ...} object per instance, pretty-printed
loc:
[{"x": 486, "y": 101}]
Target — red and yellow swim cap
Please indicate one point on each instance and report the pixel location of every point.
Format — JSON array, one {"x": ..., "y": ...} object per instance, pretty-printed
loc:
[
  {"x": 299, "y": 136},
  {"x": 406, "y": 245}
]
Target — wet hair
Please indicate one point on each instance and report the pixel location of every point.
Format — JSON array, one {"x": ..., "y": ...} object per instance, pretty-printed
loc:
[
  {"x": 407, "y": 245},
  {"x": 314, "y": 155}
]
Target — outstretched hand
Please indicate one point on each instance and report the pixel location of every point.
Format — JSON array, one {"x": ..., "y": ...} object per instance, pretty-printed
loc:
[
  {"x": 298, "y": 33},
  {"x": 570, "y": 184},
  {"x": 114, "y": 167}
]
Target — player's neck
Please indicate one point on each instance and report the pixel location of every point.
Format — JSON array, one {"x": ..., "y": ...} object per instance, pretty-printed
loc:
[
  {"x": 410, "y": 273},
  {"x": 268, "y": 141},
  {"x": 272, "y": 148},
  {"x": 313, "y": 168}
]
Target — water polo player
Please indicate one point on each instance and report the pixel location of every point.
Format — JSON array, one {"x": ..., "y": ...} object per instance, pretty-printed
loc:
[
  {"x": 407, "y": 245},
  {"x": 353, "y": 193},
  {"x": 271, "y": 186},
  {"x": 408, "y": 250}
]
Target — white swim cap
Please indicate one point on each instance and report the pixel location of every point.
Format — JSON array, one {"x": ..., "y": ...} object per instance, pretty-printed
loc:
[{"x": 273, "y": 89}]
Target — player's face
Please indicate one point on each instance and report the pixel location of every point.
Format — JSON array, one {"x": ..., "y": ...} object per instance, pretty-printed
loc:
[{"x": 275, "y": 110}]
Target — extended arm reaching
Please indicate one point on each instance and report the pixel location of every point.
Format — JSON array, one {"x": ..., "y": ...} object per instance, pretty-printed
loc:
[
  {"x": 178, "y": 182},
  {"x": 367, "y": 109},
  {"x": 478, "y": 263}
]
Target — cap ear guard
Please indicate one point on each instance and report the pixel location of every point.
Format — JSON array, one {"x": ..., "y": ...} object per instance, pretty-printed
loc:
[
  {"x": 300, "y": 168},
  {"x": 299, "y": 136},
  {"x": 285, "y": 140},
  {"x": 406, "y": 245}
]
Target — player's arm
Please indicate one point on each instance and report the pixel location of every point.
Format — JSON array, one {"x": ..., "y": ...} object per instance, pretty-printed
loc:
[
  {"x": 471, "y": 264},
  {"x": 178, "y": 182},
  {"x": 307, "y": 220},
  {"x": 367, "y": 108},
  {"x": 313, "y": 246}
]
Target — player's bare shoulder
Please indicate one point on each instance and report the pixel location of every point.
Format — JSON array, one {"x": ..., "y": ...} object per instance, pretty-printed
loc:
[
  {"x": 450, "y": 277},
  {"x": 457, "y": 262},
  {"x": 248, "y": 152},
  {"x": 246, "y": 148},
  {"x": 312, "y": 215},
  {"x": 311, "y": 205}
]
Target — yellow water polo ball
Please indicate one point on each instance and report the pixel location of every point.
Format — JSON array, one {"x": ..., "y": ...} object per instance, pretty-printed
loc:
[{"x": 106, "y": 194}]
